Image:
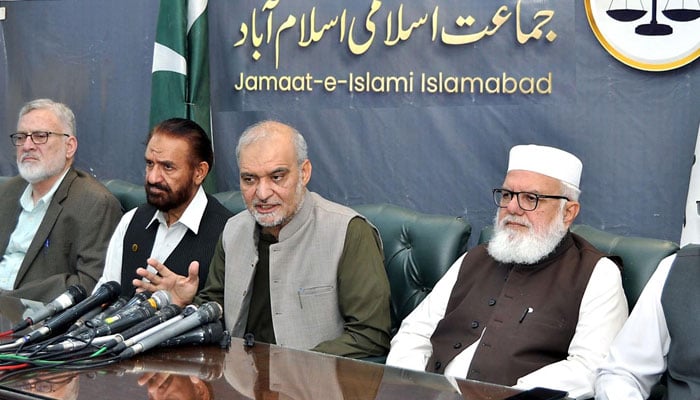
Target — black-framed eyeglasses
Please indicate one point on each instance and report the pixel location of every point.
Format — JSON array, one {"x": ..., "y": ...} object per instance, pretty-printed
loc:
[
  {"x": 527, "y": 201},
  {"x": 38, "y": 137}
]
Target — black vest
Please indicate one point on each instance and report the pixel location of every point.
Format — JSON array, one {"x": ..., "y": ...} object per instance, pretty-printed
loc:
[
  {"x": 530, "y": 311},
  {"x": 680, "y": 300},
  {"x": 138, "y": 243}
]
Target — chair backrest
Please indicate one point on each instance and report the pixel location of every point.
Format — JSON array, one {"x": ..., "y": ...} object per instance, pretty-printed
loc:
[
  {"x": 640, "y": 256},
  {"x": 231, "y": 200},
  {"x": 418, "y": 250},
  {"x": 129, "y": 194}
]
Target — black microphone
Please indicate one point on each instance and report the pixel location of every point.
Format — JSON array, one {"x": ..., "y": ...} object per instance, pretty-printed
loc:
[
  {"x": 137, "y": 309},
  {"x": 124, "y": 320},
  {"x": 211, "y": 333},
  {"x": 136, "y": 300},
  {"x": 208, "y": 312},
  {"x": 167, "y": 312},
  {"x": 129, "y": 316},
  {"x": 74, "y": 294},
  {"x": 105, "y": 293},
  {"x": 96, "y": 314}
]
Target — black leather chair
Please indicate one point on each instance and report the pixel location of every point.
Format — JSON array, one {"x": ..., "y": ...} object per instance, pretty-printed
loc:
[
  {"x": 418, "y": 250},
  {"x": 640, "y": 256}
]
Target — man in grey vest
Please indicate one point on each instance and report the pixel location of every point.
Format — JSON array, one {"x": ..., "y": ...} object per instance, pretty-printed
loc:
[
  {"x": 296, "y": 270},
  {"x": 179, "y": 223},
  {"x": 537, "y": 305},
  {"x": 660, "y": 337}
]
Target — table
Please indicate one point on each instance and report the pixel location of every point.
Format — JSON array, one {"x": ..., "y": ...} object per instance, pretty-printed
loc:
[{"x": 259, "y": 372}]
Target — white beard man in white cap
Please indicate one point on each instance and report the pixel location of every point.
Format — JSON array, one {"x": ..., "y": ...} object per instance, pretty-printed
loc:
[{"x": 537, "y": 305}]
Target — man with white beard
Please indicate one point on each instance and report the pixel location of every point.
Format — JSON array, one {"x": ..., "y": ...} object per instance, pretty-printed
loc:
[
  {"x": 55, "y": 221},
  {"x": 537, "y": 305}
]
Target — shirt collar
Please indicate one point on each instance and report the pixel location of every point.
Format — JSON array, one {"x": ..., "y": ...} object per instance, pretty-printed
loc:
[
  {"x": 26, "y": 200},
  {"x": 192, "y": 216}
]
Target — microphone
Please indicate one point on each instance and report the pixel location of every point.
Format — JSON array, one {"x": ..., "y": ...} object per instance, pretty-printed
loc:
[
  {"x": 105, "y": 293},
  {"x": 211, "y": 333},
  {"x": 94, "y": 315},
  {"x": 74, "y": 294},
  {"x": 135, "y": 301},
  {"x": 129, "y": 316},
  {"x": 208, "y": 312},
  {"x": 169, "y": 315},
  {"x": 108, "y": 341},
  {"x": 140, "y": 307},
  {"x": 124, "y": 320}
]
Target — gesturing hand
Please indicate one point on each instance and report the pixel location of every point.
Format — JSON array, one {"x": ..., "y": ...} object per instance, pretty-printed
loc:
[{"x": 182, "y": 289}]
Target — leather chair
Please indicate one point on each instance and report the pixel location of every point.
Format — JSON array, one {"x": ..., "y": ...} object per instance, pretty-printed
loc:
[
  {"x": 418, "y": 250},
  {"x": 130, "y": 195},
  {"x": 231, "y": 200},
  {"x": 640, "y": 256}
]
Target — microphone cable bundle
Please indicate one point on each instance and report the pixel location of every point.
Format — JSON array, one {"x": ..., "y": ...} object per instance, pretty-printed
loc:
[{"x": 77, "y": 332}]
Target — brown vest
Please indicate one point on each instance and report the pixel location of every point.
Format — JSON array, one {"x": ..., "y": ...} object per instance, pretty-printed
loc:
[{"x": 497, "y": 296}]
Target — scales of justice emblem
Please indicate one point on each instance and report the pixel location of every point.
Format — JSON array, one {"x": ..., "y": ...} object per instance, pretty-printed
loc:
[
  {"x": 651, "y": 35},
  {"x": 653, "y": 28}
]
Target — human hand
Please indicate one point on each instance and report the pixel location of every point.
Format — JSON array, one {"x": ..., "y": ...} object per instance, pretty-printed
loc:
[{"x": 182, "y": 289}]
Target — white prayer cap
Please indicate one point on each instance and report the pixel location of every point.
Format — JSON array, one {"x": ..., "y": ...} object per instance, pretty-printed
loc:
[{"x": 546, "y": 160}]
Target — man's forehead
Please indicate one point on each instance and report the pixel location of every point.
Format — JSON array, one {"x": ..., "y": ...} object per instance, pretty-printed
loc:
[
  {"x": 262, "y": 170},
  {"x": 163, "y": 146},
  {"x": 40, "y": 118},
  {"x": 521, "y": 180}
]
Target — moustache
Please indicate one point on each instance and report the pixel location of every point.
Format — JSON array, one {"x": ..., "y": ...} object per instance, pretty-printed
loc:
[
  {"x": 257, "y": 202},
  {"x": 26, "y": 155},
  {"x": 515, "y": 219},
  {"x": 157, "y": 186}
]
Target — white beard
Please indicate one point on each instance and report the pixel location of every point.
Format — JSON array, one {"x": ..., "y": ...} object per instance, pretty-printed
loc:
[
  {"x": 273, "y": 220},
  {"x": 38, "y": 171},
  {"x": 510, "y": 246}
]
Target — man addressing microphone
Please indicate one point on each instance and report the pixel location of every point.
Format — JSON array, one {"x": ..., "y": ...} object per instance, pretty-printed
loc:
[
  {"x": 180, "y": 222},
  {"x": 296, "y": 270}
]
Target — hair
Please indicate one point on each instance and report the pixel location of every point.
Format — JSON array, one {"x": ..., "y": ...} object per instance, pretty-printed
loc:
[
  {"x": 263, "y": 129},
  {"x": 60, "y": 110},
  {"x": 186, "y": 129}
]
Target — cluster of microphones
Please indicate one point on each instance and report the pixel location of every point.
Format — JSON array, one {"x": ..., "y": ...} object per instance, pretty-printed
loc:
[{"x": 122, "y": 327}]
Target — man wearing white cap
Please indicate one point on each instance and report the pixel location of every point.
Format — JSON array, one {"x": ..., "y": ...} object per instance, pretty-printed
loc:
[{"x": 537, "y": 306}]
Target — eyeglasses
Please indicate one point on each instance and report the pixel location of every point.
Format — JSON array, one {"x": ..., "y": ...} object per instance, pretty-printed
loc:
[
  {"x": 527, "y": 201},
  {"x": 38, "y": 137}
]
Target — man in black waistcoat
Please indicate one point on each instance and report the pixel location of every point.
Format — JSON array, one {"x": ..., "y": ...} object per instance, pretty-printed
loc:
[
  {"x": 660, "y": 338},
  {"x": 537, "y": 305},
  {"x": 180, "y": 223}
]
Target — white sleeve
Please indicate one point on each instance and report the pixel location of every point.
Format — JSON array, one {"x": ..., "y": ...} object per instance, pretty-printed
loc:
[
  {"x": 113, "y": 260},
  {"x": 638, "y": 355},
  {"x": 411, "y": 347},
  {"x": 602, "y": 313}
]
